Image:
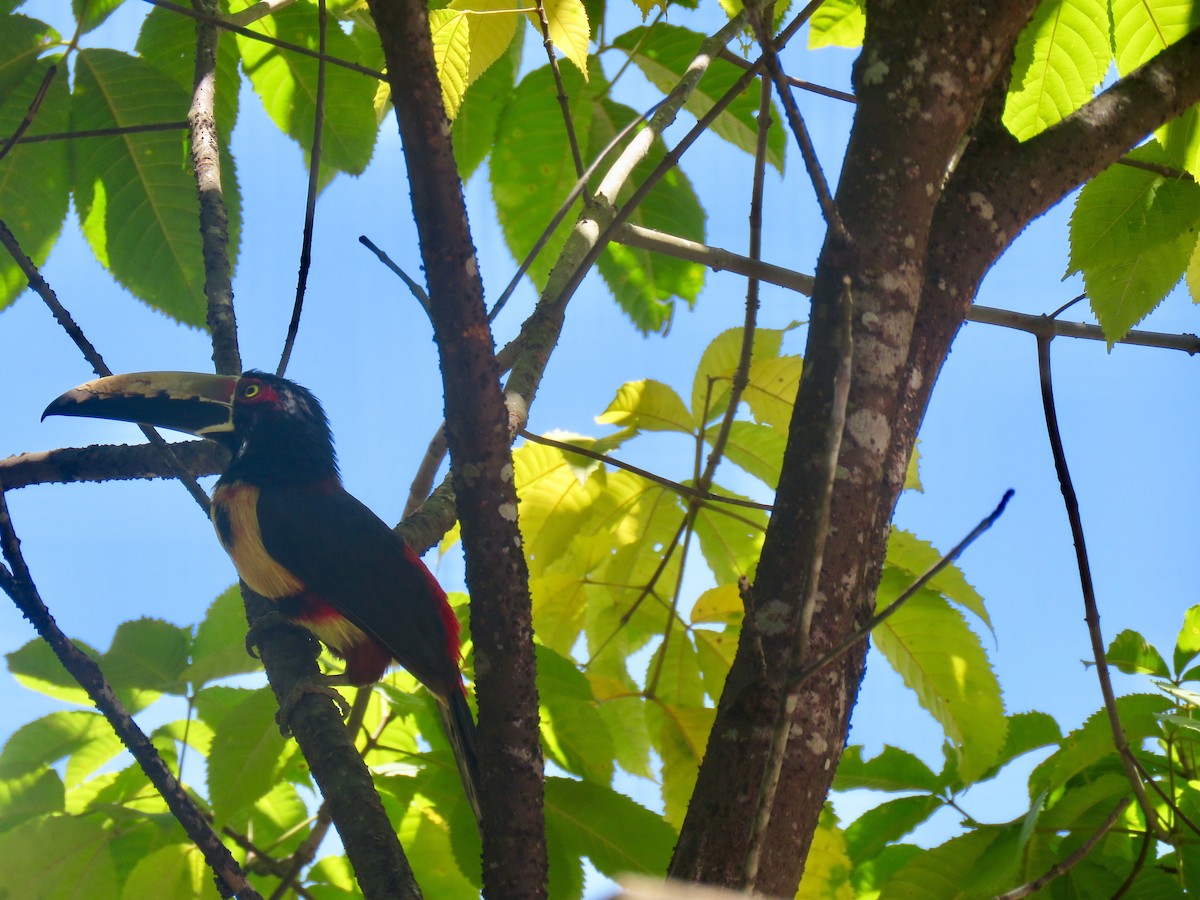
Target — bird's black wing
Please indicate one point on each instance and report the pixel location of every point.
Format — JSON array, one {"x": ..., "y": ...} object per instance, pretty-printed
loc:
[{"x": 350, "y": 557}]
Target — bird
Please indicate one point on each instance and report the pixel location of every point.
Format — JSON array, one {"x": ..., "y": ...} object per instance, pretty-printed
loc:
[{"x": 298, "y": 537}]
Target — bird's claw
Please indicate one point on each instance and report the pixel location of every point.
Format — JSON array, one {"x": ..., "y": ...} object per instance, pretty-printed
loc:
[{"x": 321, "y": 684}]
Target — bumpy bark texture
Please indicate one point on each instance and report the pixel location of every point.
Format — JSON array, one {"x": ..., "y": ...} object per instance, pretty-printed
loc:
[{"x": 922, "y": 233}]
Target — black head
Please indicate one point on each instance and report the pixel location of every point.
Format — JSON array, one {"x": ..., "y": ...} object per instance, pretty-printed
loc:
[{"x": 280, "y": 432}]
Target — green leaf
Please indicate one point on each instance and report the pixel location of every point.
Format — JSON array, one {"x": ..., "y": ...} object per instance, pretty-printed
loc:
[
  {"x": 1062, "y": 55},
  {"x": 92, "y": 13},
  {"x": 450, "y": 30},
  {"x": 892, "y": 770},
  {"x": 1187, "y": 644},
  {"x": 1141, "y": 28},
  {"x": 34, "y": 178},
  {"x": 771, "y": 393},
  {"x": 827, "y": 866},
  {"x": 176, "y": 870},
  {"x": 912, "y": 475},
  {"x": 532, "y": 169},
  {"x": 715, "y": 651},
  {"x": 1180, "y": 139},
  {"x": 758, "y": 449},
  {"x": 664, "y": 53},
  {"x": 287, "y": 85},
  {"x": 647, "y": 405},
  {"x": 645, "y": 284},
  {"x": 1134, "y": 655},
  {"x": 491, "y": 34},
  {"x": 1085, "y": 806},
  {"x": 247, "y": 755},
  {"x": 675, "y": 670},
  {"x": 569, "y": 30},
  {"x": 136, "y": 200},
  {"x": 731, "y": 539},
  {"x": 45, "y": 741},
  {"x": 61, "y": 858},
  {"x": 479, "y": 115},
  {"x": 837, "y": 23},
  {"x": 1093, "y": 741},
  {"x": 680, "y": 735},
  {"x": 914, "y": 557},
  {"x": 36, "y": 667},
  {"x": 1132, "y": 236},
  {"x": 35, "y": 794},
  {"x": 426, "y": 839},
  {"x": 714, "y": 374},
  {"x": 167, "y": 41},
  {"x": 1028, "y": 731},
  {"x": 148, "y": 653},
  {"x": 22, "y": 41},
  {"x": 929, "y": 644},
  {"x": 576, "y": 735},
  {"x": 610, "y": 829},
  {"x": 887, "y": 823},
  {"x": 626, "y": 718},
  {"x": 957, "y": 868},
  {"x": 219, "y": 649}
]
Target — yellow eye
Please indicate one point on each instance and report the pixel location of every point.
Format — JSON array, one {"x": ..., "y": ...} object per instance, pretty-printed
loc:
[{"x": 250, "y": 390}]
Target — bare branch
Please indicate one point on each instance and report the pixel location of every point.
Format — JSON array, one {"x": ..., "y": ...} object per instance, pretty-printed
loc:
[
  {"x": 1091, "y": 608},
  {"x": 214, "y": 220},
  {"x": 310, "y": 203}
]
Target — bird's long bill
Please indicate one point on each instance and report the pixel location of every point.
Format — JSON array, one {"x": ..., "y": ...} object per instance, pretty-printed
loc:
[{"x": 183, "y": 401}]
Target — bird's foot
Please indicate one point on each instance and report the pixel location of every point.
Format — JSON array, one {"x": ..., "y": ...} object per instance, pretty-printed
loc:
[
  {"x": 269, "y": 621},
  {"x": 319, "y": 684}
]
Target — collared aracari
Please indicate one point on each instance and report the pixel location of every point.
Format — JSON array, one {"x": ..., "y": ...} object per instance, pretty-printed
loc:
[{"x": 297, "y": 537}]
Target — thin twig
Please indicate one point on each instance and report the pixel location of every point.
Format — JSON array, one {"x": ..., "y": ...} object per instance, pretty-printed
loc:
[
  {"x": 225, "y": 25},
  {"x": 719, "y": 259},
  {"x": 415, "y": 288},
  {"x": 819, "y": 518},
  {"x": 104, "y": 132},
  {"x": 310, "y": 203},
  {"x": 1091, "y": 609},
  {"x": 214, "y": 218},
  {"x": 31, "y": 113},
  {"x": 796, "y": 122},
  {"x": 19, "y": 585},
  {"x": 43, "y": 290},
  {"x": 564, "y": 102},
  {"x": 863, "y": 632},
  {"x": 1067, "y": 863},
  {"x": 742, "y": 63},
  {"x": 694, "y": 493}
]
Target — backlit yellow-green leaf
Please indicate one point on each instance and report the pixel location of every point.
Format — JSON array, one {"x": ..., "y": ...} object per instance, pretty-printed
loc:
[
  {"x": 450, "y": 29},
  {"x": 943, "y": 662},
  {"x": 569, "y": 29},
  {"x": 493, "y": 25},
  {"x": 648, "y": 405},
  {"x": 680, "y": 736},
  {"x": 1061, "y": 57},
  {"x": 837, "y": 23}
]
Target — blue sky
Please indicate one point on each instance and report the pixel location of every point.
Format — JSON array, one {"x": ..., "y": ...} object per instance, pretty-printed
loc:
[{"x": 105, "y": 554}]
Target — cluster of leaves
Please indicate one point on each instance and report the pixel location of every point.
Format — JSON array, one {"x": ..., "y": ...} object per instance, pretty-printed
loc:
[
  {"x": 1133, "y": 231},
  {"x": 136, "y": 200},
  {"x": 1072, "y": 792}
]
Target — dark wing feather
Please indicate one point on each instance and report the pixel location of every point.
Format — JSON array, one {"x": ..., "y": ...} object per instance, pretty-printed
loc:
[{"x": 347, "y": 555}]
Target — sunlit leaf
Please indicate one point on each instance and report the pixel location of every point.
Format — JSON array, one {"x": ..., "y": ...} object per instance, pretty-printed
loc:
[
  {"x": 1187, "y": 644},
  {"x": 576, "y": 735},
  {"x": 837, "y": 23},
  {"x": 29, "y": 796},
  {"x": 942, "y": 661},
  {"x": 680, "y": 735},
  {"x": 479, "y": 115},
  {"x": 1061, "y": 57},
  {"x": 914, "y": 557},
  {"x": 1134, "y": 655},
  {"x": 247, "y": 753},
  {"x": 827, "y": 866},
  {"x": 149, "y": 654},
  {"x": 648, "y": 405},
  {"x": 176, "y": 870},
  {"x": 888, "y": 822},
  {"x": 450, "y": 29},
  {"x": 61, "y": 857},
  {"x": 569, "y": 29},
  {"x": 892, "y": 770},
  {"x": 219, "y": 649},
  {"x": 615, "y": 833}
]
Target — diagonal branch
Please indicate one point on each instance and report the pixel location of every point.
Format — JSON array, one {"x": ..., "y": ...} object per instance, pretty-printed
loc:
[{"x": 19, "y": 585}]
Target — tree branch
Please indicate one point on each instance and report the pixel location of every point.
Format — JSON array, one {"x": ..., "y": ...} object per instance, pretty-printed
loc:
[
  {"x": 214, "y": 220},
  {"x": 19, "y": 585},
  {"x": 477, "y": 433}
]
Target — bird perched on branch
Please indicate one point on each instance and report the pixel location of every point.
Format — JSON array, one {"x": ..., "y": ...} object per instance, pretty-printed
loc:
[{"x": 297, "y": 537}]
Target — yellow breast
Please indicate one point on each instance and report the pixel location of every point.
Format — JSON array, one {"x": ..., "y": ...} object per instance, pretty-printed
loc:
[{"x": 235, "y": 516}]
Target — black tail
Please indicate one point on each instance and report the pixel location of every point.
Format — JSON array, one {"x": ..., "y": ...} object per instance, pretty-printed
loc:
[{"x": 460, "y": 729}]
